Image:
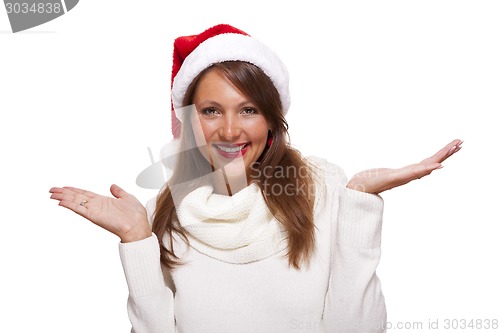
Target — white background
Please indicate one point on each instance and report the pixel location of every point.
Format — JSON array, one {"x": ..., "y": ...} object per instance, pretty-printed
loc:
[{"x": 374, "y": 84}]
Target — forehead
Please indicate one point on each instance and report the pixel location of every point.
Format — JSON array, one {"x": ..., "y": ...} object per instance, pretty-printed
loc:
[{"x": 214, "y": 83}]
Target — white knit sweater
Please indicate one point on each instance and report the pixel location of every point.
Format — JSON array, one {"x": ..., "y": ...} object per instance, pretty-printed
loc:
[{"x": 229, "y": 285}]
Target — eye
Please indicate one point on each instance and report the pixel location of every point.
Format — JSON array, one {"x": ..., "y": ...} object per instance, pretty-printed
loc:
[
  {"x": 249, "y": 111},
  {"x": 209, "y": 112}
]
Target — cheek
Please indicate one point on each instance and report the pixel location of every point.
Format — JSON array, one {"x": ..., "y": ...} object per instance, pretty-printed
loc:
[
  {"x": 205, "y": 132},
  {"x": 261, "y": 132},
  {"x": 200, "y": 137},
  {"x": 201, "y": 131}
]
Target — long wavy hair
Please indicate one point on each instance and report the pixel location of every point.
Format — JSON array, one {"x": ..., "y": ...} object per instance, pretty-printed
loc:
[{"x": 293, "y": 210}]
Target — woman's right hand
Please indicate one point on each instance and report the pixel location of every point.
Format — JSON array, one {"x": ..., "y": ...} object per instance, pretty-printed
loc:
[{"x": 122, "y": 215}]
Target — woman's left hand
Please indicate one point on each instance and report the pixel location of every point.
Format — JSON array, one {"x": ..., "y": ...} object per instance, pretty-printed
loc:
[{"x": 379, "y": 180}]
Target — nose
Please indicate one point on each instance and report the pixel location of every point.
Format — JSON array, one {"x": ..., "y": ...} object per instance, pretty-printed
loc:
[{"x": 230, "y": 128}]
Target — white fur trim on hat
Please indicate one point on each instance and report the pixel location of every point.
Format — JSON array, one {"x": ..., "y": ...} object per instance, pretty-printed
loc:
[{"x": 231, "y": 47}]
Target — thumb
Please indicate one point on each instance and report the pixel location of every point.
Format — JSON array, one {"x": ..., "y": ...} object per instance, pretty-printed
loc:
[{"x": 117, "y": 191}]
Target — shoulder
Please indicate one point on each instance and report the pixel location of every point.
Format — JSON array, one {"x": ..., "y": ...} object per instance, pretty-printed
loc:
[
  {"x": 150, "y": 209},
  {"x": 329, "y": 181},
  {"x": 326, "y": 171}
]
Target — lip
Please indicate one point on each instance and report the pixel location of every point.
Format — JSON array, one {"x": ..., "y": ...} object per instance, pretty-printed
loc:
[{"x": 226, "y": 149}]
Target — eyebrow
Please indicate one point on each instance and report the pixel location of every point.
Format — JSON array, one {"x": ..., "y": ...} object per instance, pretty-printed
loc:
[{"x": 211, "y": 102}]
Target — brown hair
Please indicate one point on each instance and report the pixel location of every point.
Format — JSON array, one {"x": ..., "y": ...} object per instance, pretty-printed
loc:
[{"x": 293, "y": 211}]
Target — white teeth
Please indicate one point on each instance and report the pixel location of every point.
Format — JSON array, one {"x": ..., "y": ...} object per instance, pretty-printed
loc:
[{"x": 231, "y": 149}]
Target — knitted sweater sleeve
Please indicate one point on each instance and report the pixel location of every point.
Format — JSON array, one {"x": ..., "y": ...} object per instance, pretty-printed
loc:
[
  {"x": 150, "y": 303},
  {"x": 355, "y": 303}
]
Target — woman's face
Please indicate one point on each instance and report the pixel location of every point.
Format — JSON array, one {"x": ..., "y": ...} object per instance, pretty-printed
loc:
[{"x": 230, "y": 130}]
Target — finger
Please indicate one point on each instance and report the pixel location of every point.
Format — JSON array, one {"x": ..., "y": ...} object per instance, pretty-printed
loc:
[
  {"x": 75, "y": 207},
  {"x": 455, "y": 148},
  {"x": 55, "y": 190},
  {"x": 69, "y": 196},
  {"x": 57, "y": 196},
  {"x": 71, "y": 200},
  {"x": 70, "y": 192},
  {"x": 117, "y": 191},
  {"x": 60, "y": 193},
  {"x": 80, "y": 191},
  {"x": 445, "y": 152}
]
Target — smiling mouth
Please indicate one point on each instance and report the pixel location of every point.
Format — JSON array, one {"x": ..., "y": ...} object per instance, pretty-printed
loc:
[{"x": 231, "y": 149}]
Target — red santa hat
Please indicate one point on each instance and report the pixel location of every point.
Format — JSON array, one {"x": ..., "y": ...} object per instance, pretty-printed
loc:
[{"x": 192, "y": 54}]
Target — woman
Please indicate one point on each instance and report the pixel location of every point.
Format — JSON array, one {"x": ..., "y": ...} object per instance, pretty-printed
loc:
[{"x": 247, "y": 235}]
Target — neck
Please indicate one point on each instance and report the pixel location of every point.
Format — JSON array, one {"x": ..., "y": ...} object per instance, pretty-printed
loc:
[{"x": 227, "y": 184}]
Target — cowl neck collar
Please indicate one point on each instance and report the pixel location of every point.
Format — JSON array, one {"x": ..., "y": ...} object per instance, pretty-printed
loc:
[{"x": 236, "y": 229}]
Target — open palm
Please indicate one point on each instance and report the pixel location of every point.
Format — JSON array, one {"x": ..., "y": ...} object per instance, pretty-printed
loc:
[
  {"x": 383, "y": 179},
  {"x": 122, "y": 214}
]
